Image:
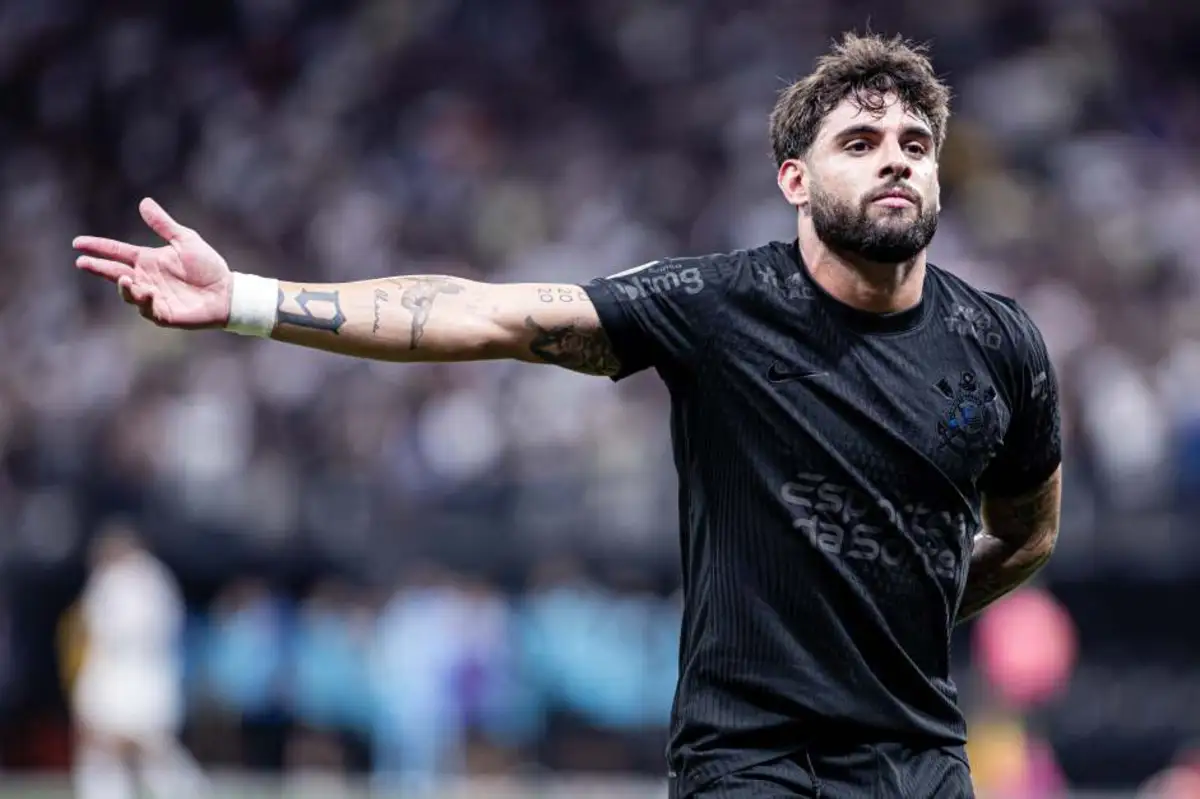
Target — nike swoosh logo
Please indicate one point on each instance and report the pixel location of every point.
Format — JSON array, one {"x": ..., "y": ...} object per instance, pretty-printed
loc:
[{"x": 779, "y": 374}]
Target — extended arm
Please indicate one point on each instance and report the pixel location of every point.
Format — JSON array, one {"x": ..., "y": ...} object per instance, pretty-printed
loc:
[
  {"x": 656, "y": 314},
  {"x": 1018, "y": 538},
  {"x": 438, "y": 318}
]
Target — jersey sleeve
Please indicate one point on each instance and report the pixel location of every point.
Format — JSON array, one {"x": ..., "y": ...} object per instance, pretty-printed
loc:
[
  {"x": 1032, "y": 448},
  {"x": 661, "y": 314}
]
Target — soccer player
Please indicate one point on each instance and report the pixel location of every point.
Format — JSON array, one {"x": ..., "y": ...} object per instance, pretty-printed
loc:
[
  {"x": 128, "y": 699},
  {"x": 868, "y": 448}
]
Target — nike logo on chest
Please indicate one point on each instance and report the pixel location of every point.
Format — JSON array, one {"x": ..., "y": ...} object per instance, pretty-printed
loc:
[{"x": 778, "y": 373}]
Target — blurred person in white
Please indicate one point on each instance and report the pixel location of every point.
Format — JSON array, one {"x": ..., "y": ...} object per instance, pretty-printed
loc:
[
  {"x": 128, "y": 700},
  {"x": 868, "y": 447}
]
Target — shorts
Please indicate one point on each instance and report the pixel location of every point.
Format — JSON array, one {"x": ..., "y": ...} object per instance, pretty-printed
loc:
[
  {"x": 138, "y": 704},
  {"x": 878, "y": 771}
]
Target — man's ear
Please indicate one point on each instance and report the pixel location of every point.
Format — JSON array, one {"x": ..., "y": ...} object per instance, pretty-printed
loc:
[{"x": 792, "y": 180}]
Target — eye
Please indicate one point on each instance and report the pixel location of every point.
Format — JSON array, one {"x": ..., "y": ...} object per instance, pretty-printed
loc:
[
  {"x": 858, "y": 146},
  {"x": 915, "y": 148}
]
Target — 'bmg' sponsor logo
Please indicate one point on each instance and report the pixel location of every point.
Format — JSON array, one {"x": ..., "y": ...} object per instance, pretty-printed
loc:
[
  {"x": 660, "y": 278},
  {"x": 843, "y": 521}
]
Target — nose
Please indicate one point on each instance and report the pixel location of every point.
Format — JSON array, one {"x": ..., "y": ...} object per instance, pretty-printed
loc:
[
  {"x": 895, "y": 169},
  {"x": 895, "y": 165}
]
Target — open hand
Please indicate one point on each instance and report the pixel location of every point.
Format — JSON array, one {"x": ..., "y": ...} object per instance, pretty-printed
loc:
[{"x": 184, "y": 284}]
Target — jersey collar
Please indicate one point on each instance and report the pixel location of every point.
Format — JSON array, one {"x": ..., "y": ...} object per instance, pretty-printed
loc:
[{"x": 867, "y": 321}]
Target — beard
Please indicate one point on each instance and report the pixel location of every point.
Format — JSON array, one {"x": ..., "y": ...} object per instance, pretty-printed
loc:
[{"x": 889, "y": 238}]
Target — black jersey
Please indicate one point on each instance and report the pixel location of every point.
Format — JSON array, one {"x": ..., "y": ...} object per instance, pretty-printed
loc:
[{"x": 831, "y": 464}]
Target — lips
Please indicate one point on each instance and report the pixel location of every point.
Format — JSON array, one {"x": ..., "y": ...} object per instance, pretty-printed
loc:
[{"x": 895, "y": 197}]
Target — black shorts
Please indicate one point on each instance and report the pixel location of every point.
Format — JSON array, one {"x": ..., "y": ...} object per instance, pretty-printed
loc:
[{"x": 879, "y": 771}]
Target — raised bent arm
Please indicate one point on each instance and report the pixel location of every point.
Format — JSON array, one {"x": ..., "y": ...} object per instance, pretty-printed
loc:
[
  {"x": 1018, "y": 538},
  {"x": 439, "y": 318}
]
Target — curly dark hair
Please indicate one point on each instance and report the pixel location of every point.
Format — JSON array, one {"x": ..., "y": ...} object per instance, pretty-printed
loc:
[{"x": 865, "y": 69}]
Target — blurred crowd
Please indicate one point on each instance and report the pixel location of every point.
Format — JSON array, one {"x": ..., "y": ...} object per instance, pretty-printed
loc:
[
  {"x": 444, "y": 677},
  {"x": 529, "y": 140}
]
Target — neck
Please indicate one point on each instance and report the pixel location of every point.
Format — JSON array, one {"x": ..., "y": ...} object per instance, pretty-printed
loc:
[{"x": 859, "y": 283}]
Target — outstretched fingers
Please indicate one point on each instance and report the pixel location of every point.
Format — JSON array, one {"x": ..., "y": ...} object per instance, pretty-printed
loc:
[
  {"x": 160, "y": 221},
  {"x": 103, "y": 267},
  {"x": 111, "y": 249},
  {"x": 134, "y": 293},
  {"x": 139, "y": 296}
]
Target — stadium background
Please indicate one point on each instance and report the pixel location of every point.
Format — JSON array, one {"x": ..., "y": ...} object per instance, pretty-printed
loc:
[{"x": 469, "y": 571}]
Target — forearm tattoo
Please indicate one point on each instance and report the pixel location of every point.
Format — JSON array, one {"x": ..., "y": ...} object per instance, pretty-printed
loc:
[
  {"x": 417, "y": 296},
  {"x": 1017, "y": 544},
  {"x": 563, "y": 294},
  {"x": 583, "y": 349},
  {"x": 381, "y": 297},
  {"x": 307, "y": 318}
]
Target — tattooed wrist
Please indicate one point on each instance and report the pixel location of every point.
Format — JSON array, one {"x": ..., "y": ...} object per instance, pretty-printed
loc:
[{"x": 319, "y": 310}]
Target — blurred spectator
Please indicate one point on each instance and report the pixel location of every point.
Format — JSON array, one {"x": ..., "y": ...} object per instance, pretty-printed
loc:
[
  {"x": 1026, "y": 647},
  {"x": 244, "y": 651},
  {"x": 128, "y": 693},
  {"x": 242, "y": 660},
  {"x": 330, "y": 686},
  {"x": 1180, "y": 780},
  {"x": 1008, "y": 760},
  {"x": 421, "y": 642}
]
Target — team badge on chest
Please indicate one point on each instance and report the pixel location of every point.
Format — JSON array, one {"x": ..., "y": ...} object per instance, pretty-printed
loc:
[{"x": 971, "y": 422}]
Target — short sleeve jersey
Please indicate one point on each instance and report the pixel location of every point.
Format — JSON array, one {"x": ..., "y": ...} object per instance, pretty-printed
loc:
[{"x": 831, "y": 467}]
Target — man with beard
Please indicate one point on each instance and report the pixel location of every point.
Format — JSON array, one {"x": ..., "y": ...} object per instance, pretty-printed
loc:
[{"x": 868, "y": 448}]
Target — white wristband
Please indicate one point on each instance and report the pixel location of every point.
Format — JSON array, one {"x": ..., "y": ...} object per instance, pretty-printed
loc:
[{"x": 254, "y": 306}]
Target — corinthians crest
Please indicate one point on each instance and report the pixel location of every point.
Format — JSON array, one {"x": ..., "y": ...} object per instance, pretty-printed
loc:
[{"x": 970, "y": 424}]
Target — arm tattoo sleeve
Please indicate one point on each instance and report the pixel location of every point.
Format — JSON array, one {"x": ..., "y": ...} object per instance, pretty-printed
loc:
[
  {"x": 417, "y": 296},
  {"x": 581, "y": 349},
  {"x": 1018, "y": 542},
  {"x": 333, "y": 322}
]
